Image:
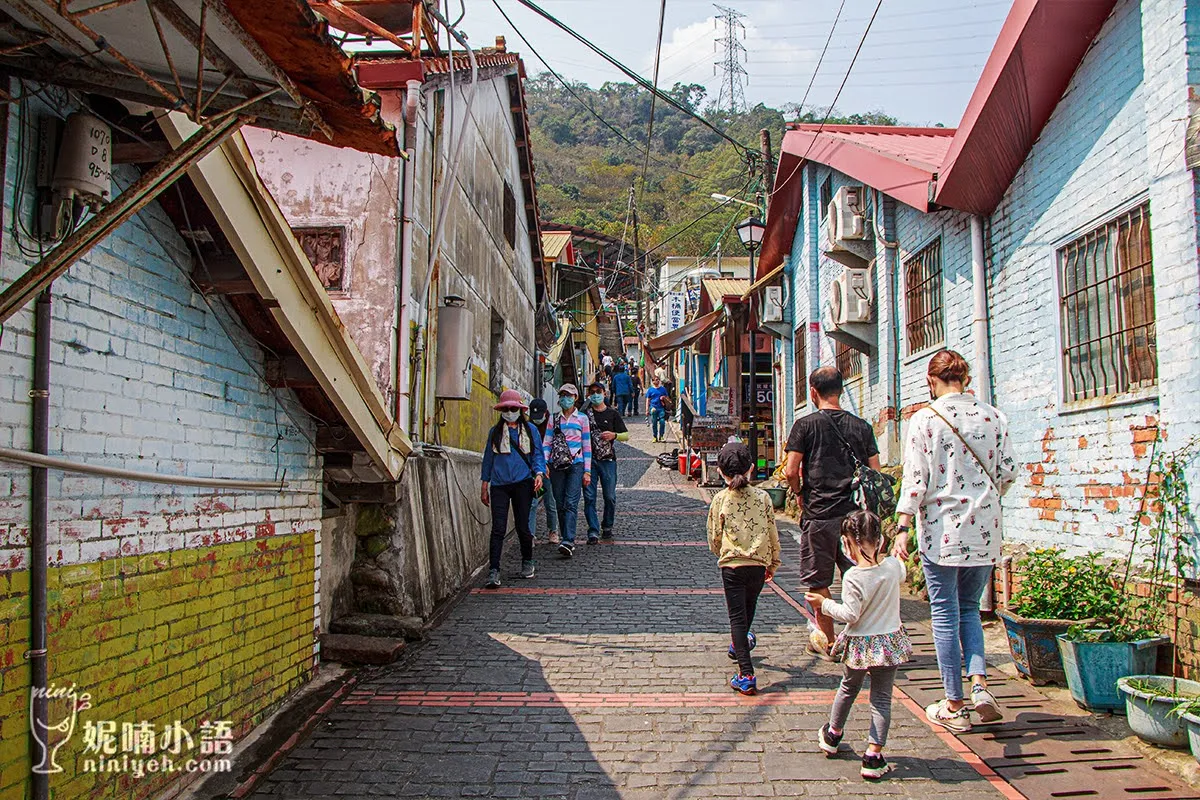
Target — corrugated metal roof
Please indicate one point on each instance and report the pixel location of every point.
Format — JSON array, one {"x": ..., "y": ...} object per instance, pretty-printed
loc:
[
  {"x": 720, "y": 288},
  {"x": 553, "y": 244},
  {"x": 925, "y": 148},
  {"x": 441, "y": 66}
]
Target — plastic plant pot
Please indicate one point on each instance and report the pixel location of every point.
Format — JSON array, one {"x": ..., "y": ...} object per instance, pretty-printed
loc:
[
  {"x": 1034, "y": 646},
  {"x": 1093, "y": 668},
  {"x": 1148, "y": 710}
]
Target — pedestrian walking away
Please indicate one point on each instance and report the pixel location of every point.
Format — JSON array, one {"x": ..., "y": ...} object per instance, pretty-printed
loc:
[
  {"x": 539, "y": 415},
  {"x": 873, "y": 642},
  {"x": 568, "y": 453},
  {"x": 607, "y": 429},
  {"x": 622, "y": 389},
  {"x": 743, "y": 536},
  {"x": 821, "y": 452},
  {"x": 513, "y": 463},
  {"x": 636, "y": 379},
  {"x": 958, "y": 462},
  {"x": 656, "y": 397}
]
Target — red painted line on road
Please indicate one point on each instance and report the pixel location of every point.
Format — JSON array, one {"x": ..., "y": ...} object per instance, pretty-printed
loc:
[
  {"x": 648, "y": 543},
  {"x": 576, "y": 700},
  {"x": 664, "y": 513},
  {"x": 247, "y": 786},
  {"x": 567, "y": 590},
  {"x": 787, "y": 598}
]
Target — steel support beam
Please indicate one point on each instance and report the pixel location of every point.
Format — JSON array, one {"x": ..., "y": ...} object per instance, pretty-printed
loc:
[{"x": 116, "y": 213}]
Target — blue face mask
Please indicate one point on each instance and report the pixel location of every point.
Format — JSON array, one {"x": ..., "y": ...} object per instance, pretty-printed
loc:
[
  {"x": 566, "y": 403},
  {"x": 596, "y": 399}
]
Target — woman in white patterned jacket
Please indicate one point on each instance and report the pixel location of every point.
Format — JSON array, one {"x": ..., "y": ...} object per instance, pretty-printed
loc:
[{"x": 957, "y": 463}]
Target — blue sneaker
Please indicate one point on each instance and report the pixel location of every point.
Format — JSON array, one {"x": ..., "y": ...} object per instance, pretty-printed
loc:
[
  {"x": 753, "y": 644},
  {"x": 744, "y": 684}
]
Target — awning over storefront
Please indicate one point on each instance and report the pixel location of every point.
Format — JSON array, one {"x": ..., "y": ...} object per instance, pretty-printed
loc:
[{"x": 660, "y": 347}]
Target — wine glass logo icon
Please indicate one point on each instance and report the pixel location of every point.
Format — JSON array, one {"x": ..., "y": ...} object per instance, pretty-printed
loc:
[{"x": 62, "y": 706}]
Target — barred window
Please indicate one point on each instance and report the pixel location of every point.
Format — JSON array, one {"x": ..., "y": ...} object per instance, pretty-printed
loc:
[
  {"x": 1106, "y": 280},
  {"x": 510, "y": 216},
  {"x": 849, "y": 361},
  {"x": 800, "y": 363},
  {"x": 924, "y": 322},
  {"x": 826, "y": 195}
]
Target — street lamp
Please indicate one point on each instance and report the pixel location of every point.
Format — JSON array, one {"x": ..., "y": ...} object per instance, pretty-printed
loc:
[{"x": 751, "y": 231}]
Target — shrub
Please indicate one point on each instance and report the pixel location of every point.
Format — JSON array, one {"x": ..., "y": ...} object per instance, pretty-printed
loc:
[{"x": 1055, "y": 586}]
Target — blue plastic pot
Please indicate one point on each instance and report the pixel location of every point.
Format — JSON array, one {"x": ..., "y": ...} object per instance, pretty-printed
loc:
[
  {"x": 1149, "y": 713},
  {"x": 1034, "y": 647},
  {"x": 1093, "y": 669}
]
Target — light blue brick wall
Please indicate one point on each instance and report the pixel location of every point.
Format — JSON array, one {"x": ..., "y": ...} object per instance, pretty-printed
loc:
[{"x": 144, "y": 376}]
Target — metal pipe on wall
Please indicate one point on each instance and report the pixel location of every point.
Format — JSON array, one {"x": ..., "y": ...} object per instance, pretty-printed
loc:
[
  {"x": 979, "y": 320},
  {"x": 39, "y": 514},
  {"x": 402, "y": 319}
]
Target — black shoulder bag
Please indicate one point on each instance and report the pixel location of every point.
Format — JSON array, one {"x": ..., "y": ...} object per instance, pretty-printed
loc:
[{"x": 873, "y": 490}]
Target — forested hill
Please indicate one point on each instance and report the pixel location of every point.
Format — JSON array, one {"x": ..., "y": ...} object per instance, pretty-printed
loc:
[{"x": 586, "y": 167}]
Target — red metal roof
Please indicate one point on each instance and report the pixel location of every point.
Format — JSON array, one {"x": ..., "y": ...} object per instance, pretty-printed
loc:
[
  {"x": 1037, "y": 52},
  {"x": 393, "y": 70}
]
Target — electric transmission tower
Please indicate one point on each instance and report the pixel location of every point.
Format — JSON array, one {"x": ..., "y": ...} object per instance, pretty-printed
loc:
[{"x": 733, "y": 74}]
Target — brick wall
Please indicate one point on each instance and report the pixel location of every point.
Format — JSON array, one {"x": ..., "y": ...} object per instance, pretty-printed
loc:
[{"x": 165, "y": 602}]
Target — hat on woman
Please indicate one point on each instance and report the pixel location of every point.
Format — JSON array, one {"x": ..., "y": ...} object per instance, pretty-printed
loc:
[
  {"x": 568, "y": 388},
  {"x": 734, "y": 459},
  {"x": 510, "y": 398}
]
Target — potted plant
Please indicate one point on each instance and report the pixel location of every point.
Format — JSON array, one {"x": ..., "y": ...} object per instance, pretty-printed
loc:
[
  {"x": 1056, "y": 592},
  {"x": 1153, "y": 702},
  {"x": 1094, "y": 659},
  {"x": 1189, "y": 712}
]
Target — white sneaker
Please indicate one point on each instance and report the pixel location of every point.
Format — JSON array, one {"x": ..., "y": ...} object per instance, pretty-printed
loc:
[
  {"x": 985, "y": 705},
  {"x": 939, "y": 713}
]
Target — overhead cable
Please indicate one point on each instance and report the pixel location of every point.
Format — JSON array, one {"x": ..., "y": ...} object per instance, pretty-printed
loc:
[
  {"x": 662, "y": 16},
  {"x": 636, "y": 78}
]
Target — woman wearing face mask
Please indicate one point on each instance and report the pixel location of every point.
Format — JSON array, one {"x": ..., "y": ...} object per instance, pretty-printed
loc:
[
  {"x": 513, "y": 463},
  {"x": 957, "y": 463},
  {"x": 607, "y": 428},
  {"x": 568, "y": 453},
  {"x": 539, "y": 415}
]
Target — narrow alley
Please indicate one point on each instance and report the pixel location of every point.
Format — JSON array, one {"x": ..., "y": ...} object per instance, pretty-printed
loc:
[{"x": 606, "y": 677}]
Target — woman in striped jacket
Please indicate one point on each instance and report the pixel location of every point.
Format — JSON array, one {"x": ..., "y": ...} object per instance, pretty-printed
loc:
[{"x": 568, "y": 453}]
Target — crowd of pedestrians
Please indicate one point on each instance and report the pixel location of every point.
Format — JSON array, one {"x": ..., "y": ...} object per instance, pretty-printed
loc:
[{"x": 958, "y": 463}]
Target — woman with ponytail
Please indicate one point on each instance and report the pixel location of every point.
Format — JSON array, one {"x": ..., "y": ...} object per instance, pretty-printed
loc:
[{"x": 743, "y": 536}]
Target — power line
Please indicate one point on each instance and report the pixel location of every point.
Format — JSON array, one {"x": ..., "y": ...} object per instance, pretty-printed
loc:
[
  {"x": 821, "y": 59},
  {"x": 638, "y": 79},
  {"x": 733, "y": 74},
  {"x": 662, "y": 16},
  {"x": 587, "y": 107}
]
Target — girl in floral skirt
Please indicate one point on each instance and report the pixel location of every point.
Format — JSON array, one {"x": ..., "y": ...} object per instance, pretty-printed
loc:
[{"x": 873, "y": 642}]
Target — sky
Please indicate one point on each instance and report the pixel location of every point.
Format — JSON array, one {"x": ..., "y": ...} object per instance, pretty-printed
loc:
[{"x": 920, "y": 61}]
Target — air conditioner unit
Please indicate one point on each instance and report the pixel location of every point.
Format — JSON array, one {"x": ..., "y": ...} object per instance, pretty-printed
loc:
[
  {"x": 852, "y": 298},
  {"x": 847, "y": 222},
  {"x": 772, "y": 308}
]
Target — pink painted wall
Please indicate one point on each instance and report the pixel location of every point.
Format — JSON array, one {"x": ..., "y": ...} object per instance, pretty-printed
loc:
[{"x": 318, "y": 186}]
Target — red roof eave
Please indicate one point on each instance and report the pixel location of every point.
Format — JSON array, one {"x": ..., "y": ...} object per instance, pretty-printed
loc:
[{"x": 1036, "y": 54}]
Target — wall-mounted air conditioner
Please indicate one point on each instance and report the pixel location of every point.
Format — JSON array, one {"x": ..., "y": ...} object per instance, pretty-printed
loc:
[
  {"x": 847, "y": 220},
  {"x": 851, "y": 299},
  {"x": 772, "y": 308}
]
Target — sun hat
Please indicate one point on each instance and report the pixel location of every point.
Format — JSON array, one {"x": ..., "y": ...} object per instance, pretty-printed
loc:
[
  {"x": 568, "y": 388},
  {"x": 734, "y": 459},
  {"x": 510, "y": 398}
]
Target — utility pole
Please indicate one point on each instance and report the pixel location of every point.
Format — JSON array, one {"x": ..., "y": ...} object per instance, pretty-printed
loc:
[
  {"x": 768, "y": 169},
  {"x": 734, "y": 75}
]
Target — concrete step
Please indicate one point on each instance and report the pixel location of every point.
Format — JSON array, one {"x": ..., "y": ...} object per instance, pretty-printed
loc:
[
  {"x": 346, "y": 648},
  {"x": 383, "y": 625}
]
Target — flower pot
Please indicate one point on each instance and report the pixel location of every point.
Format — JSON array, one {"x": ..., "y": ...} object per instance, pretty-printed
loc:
[
  {"x": 1034, "y": 647},
  {"x": 1093, "y": 668},
  {"x": 1193, "y": 734},
  {"x": 778, "y": 495},
  {"x": 1149, "y": 712}
]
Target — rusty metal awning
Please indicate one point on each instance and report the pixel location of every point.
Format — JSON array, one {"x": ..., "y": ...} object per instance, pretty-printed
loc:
[
  {"x": 271, "y": 59},
  {"x": 660, "y": 347}
]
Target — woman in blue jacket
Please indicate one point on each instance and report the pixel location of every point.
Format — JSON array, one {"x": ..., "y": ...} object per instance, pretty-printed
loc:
[{"x": 513, "y": 464}]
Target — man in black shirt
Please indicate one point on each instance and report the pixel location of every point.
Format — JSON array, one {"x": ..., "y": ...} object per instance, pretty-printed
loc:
[
  {"x": 818, "y": 449},
  {"x": 607, "y": 429}
]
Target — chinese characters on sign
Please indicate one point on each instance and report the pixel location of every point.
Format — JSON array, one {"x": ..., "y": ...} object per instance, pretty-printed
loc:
[{"x": 676, "y": 310}]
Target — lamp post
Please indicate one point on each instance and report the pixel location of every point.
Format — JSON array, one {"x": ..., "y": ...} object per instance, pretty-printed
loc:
[{"x": 751, "y": 231}]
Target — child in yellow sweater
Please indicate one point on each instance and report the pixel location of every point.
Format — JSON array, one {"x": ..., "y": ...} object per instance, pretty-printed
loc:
[{"x": 743, "y": 536}]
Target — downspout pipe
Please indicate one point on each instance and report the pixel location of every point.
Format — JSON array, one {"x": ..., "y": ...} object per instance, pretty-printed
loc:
[
  {"x": 402, "y": 318},
  {"x": 979, "y": 320},
  {"x": 892, "y": 265},
  {"x": 39, "y": 497}
]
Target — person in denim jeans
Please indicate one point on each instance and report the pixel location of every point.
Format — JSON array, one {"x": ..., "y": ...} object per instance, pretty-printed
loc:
[
  {"x": 607, "y": 428},
  {"x": 539, "y": 415},
  {"x": 569, "y": 479},
  {"x": 658, "y": 412},
  {"x": 957, "y": 463}
]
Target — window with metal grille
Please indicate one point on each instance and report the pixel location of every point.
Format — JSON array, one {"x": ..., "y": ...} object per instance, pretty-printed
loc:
[
  {"x": 496, "y": 354},
  {"x": 923, "y": 320},
  {"x": 800, "y": 363},
  {"x": 1106, "y": 282},
  {"x": 849, "y": 361},
  {"x": 510, "y": 216},
  {"x": 826, "y": 195},
  {"x": 325, "y": 252}
]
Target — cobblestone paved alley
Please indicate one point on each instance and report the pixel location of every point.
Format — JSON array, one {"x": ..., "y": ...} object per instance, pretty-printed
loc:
[{"x": 605, "y": 677}]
